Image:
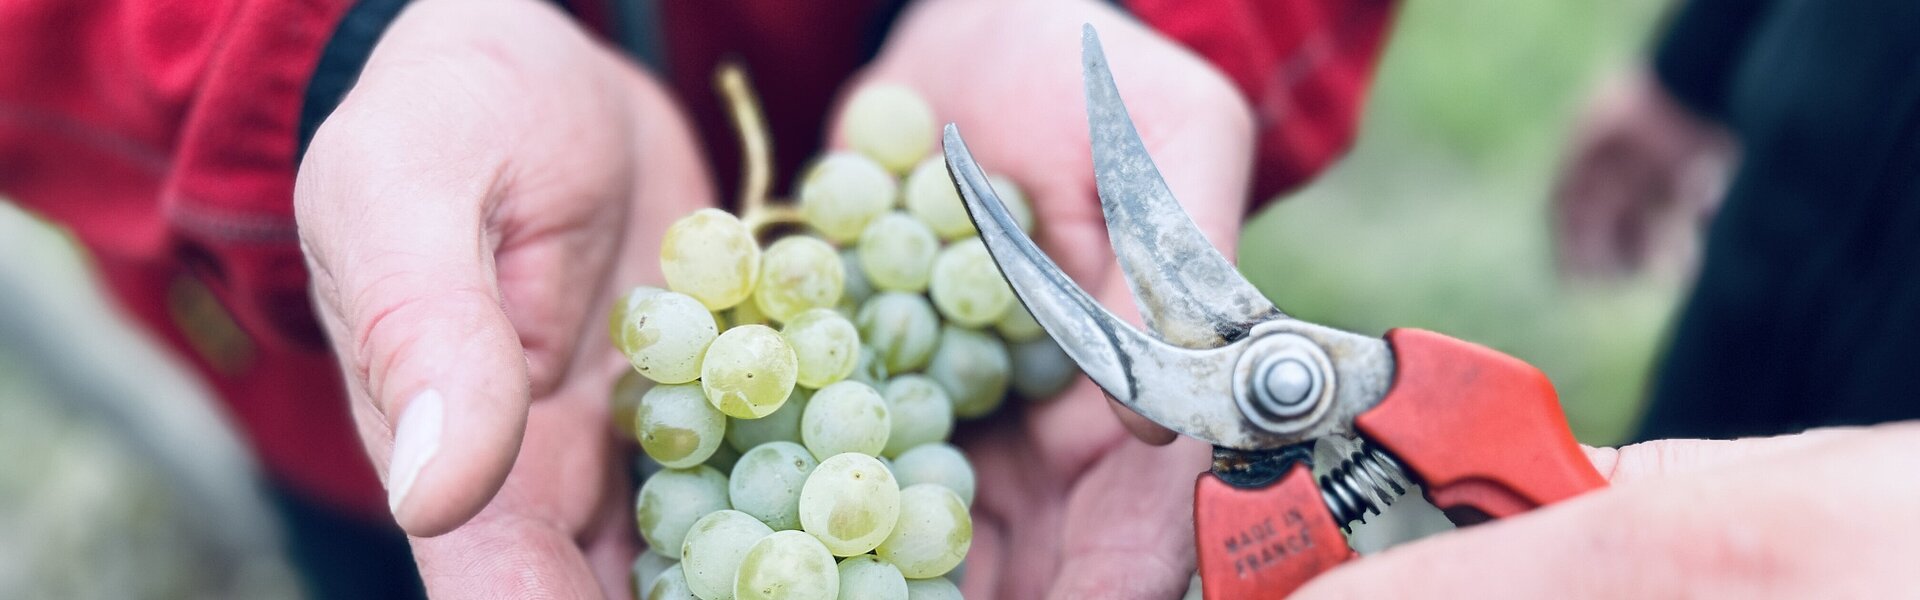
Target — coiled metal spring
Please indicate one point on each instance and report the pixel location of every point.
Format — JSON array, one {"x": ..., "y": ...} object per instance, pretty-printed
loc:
[{"x": 1366, "y": 482}]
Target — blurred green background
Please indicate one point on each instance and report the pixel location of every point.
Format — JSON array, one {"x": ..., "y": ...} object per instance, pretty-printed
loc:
[{"x": 116, "y": 479}]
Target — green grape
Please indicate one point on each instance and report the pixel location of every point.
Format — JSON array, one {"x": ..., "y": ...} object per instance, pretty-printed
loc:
[
  {"x": 826, "y": 344},
  {"x": 665, "y": 335},
  {"x": 896, "y": 253},
  {"x": 936, "y": 463},
  {"x": 972, "y": 367},
  {"x": 841, "y": 192},
  {"x": 671, "y": 500},
  {"x": 746, "y": 313},
  {"x": 967, "y": 286},
  {"x": 670, "y": 585},
  {"x": 1193, "y": 589},
  {"x": 678, "y": 427},
  {"x": 627, "y": 393},
  {"x": 919, "y": 411},
  {"x": 1016, "y": 201},
  {"x": 857, "y": 287},
  {"x": 931, "y": 589},
  {"x": 958, "y": 574},
  {"x": 931, "y": 197},
  {"x": 787, "y": 565},
  {"x": 766, "y": 483},
  {"x": 870, "y": 370},
  {"x": 646, "y": 568},
  {"x": 890, "y": 124},
  {"x": 781, "y": 425},
  {"x": 845, "y": 417},
  {"x": 850, "y": 503},
  {"x": 617, "y": 316},
  {"x": 1017, "y": 325},
  {"x": 749, "y": 371},
  {"x": 799, "y": 272},
  {"x": 723, "y": 459},
  {"x": 933, "y": 533},
  {"x": 711, "y": 256},
  {"x": 866, "y": 577},
  {"x": 1041, "y": 370},
  {"x": 710, "y": 557},
  {"x": 901, "y": 328}
]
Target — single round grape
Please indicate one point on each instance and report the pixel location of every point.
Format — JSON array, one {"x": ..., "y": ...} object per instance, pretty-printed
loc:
[
  {"x": 766, "y": 483},
  {"x": 1041, "y": 370},
  {"x": 930, "y": 589},
  {"x": 967, "y": 286},
  {"x": 671, "y": 585},
  {"x": 1018, "y": 325},
  {"x": 933, "y": 533},
  {"x": 826, "y": 344},
  {"x": 723, "y": 458},
  {"x": 902, "y": 328},
  {"x": 972, "y": 367},
  {"x": 627, "y": 393},
  {"x": 896, "y": 253},
  {"x": 850, "y": 503},
  {"x": 858, "y": 289},
  {"x": 678, "y": 427},
  {"x": 866, "y": 577},
  {"x": 710, "y": 557},
  {"x": 1016, "y": 200},
  {"x": 890, "y": 124},
  {"x": 665, "y": 335},
  {"x": 841, "y": 192},
  {"x": 711, "y": 256},
  {"x": 646, "y": 568},
  {"x": 617, "y": 316},
  {"x": 871, "y": 370},
  {"x": 671, "y": 500},
  {"x": 782, "y": 425},
  {"x": 937, "y": 463},
  {"x": 798, "y": 273},
  {"x": 1194, "y": 591},
  {"x": 749, "y": 371},
  {"x": 845, "y": 417},
  {"x": 959, "y": 573},
  {"x": 787, "y": 565},
  {"x": 931, "y": 197},
  {"x": 919, "y": 411}
]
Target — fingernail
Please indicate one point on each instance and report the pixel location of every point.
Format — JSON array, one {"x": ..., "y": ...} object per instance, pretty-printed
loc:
[{"x": 415, "y": 440}]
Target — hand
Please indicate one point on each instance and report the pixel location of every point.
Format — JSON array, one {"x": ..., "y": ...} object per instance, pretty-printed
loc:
[
  {"x": 1829, "y": 513},
  {"x": 468, "y": 214},
  {"x": 1070, "y": 505},
  {"x": 1644, "y": 174}
]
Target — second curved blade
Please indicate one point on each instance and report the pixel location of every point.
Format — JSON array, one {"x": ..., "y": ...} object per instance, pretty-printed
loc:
[{"x": 1188, "y": 293}]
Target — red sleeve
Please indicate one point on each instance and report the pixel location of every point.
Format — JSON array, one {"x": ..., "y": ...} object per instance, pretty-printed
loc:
[
  {"x": 1304, "y": 65},
  {"x": 164, "y": 136}
]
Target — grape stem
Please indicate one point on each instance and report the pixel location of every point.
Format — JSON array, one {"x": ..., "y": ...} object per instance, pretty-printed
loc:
[{"x": 756, "y": 151}]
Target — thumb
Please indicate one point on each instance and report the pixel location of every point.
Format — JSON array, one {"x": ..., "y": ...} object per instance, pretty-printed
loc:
[{"x": 404, "y": 280}]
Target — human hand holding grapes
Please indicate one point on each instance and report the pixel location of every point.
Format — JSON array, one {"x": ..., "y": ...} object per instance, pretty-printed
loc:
[
  {"x": 467, "y": 213},
  {"x": 1069, "y": 504}
]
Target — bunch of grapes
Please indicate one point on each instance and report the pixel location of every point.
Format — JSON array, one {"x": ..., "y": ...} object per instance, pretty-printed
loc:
[{"x": 802, "y": 393}]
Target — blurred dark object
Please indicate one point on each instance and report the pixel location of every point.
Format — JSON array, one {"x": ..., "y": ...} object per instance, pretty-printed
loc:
[
  {"x": 1808, "y": 297},
  {"x": 340, "y": 555}
]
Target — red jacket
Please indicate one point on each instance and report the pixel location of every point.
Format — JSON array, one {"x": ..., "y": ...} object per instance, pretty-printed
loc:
[{"x": 166, "y": 136}]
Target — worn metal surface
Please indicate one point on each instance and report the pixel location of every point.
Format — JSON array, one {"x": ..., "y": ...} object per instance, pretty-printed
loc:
[
  {"x": 1191, "y": 391},
  {"x": 1188, "y": 293}
]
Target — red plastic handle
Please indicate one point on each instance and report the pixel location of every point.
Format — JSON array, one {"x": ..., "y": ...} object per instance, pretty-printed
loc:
[
  {"x": 1263, "y": 542},
  {"x": 1481, "y": 429}
]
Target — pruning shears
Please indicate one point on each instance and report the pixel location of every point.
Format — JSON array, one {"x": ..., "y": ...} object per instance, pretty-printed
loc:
[{"x": 1480, "y": 432}]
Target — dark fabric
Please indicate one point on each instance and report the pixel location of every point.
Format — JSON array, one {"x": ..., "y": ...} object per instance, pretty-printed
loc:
[
  {"x": 345, "y": 556},
  {"x": 341, "y": 61},
  {"x": 1807, "y": 309}
]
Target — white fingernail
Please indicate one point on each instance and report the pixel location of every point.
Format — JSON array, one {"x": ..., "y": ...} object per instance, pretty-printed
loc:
[{"x": 415, "y": 440}]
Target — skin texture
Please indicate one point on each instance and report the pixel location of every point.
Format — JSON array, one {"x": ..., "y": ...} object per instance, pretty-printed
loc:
[{"x": 485, "y": 191}]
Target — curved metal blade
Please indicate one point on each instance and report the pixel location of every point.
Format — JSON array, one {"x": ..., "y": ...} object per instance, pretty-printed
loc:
[
  {"x": 1188, "y": 293},
  {"x": 1186, "y": 390}
]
